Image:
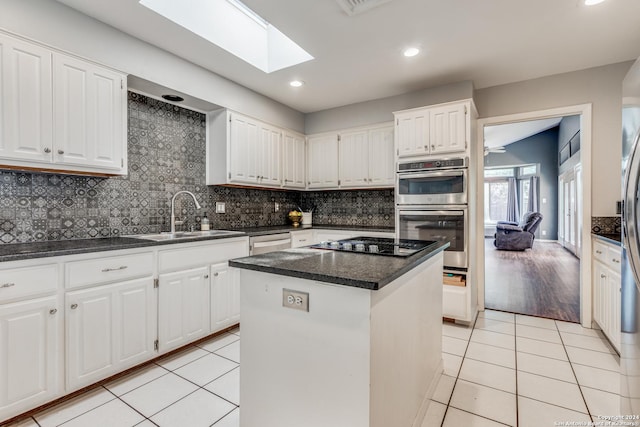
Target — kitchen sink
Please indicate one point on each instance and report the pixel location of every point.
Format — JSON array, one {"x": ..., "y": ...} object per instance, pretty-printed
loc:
[{"x": 180, "y": 235}]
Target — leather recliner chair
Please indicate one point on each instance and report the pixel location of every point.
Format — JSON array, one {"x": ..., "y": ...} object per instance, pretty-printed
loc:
[{"x": 512, "y": 236}]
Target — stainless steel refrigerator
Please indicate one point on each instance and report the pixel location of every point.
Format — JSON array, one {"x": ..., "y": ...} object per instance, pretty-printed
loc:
[{"x": 630, "y": 298}]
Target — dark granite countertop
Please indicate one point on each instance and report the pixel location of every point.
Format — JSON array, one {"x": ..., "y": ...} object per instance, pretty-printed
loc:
[
  {"x": 616, "y": 239},
  {"x": 20, "y": 251},
  {"x": 350, "y": 269},
  {"x": 259, "y": 231}
]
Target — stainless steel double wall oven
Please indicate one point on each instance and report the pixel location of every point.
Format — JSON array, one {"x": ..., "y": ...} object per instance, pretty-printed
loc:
[{"x": 431, "y": 204}]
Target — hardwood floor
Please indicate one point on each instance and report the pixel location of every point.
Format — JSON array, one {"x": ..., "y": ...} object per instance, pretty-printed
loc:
[{"x": 543, "y": 281}]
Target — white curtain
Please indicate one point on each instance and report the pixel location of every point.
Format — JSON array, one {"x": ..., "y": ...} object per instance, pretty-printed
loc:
[{"x": 513, "y": 213}]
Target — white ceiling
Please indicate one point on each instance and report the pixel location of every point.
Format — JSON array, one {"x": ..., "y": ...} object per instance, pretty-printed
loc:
[
  {"x": 502, "y": 135},
  {"x": 359, "y": 58}
]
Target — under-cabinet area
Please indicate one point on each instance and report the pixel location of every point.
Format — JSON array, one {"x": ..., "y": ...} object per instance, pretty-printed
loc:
[{"x": 67, "y": 322}]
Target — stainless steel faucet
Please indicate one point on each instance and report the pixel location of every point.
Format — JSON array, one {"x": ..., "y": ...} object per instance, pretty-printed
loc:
[{"x": 173, "y": 205}]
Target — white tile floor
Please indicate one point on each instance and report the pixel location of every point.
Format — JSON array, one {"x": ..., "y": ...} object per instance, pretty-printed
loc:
[{"x": 508, "y": 370}]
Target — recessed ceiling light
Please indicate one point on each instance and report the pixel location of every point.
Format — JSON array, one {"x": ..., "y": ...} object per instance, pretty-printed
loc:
[
  {"x": 296, "y": 83},
  {"x": 412, "y": 51},
  {"x": 592, "y": 2}
]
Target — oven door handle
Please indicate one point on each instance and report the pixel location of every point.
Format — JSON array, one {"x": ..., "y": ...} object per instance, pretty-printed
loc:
[
  {"x": 423, "y": 212},
  {"x": 411, "y": 175}
]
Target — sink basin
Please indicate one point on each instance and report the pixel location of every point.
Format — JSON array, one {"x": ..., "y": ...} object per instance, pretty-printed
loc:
[{"x": 180, "y": 235}]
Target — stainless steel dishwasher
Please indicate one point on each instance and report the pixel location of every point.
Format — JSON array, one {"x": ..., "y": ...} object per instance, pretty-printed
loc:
[{"x": 269, "y": 243}]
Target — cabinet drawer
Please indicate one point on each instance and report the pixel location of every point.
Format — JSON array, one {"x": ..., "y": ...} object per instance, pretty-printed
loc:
[
  {"x": 600, "y": 251},
  {"x": 301, "y": 238},
  {"x": 195, "y": 256},
  {"x": 614, "y": 256},
  {"x": 25, "y": 282},
  {"x": 108, "y": 269},
  {"x": 454, "y": 302}
]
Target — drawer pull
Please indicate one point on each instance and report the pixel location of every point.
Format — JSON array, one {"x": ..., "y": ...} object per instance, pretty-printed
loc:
[
  {"x": 74, "y": 306},
  {"x": 302, "y": 240},
  {"x": 603, "y": 276},
  {"x": 215, "y": 274},
  {"x": 599, "y": 252},
  {"x": 8, "y": 285},
  {"x": 53, "y": 311},
  {"x": 206, "y": 276},
  {"x": 615, "y": 260},
  {"x": 122, "y": 267}
]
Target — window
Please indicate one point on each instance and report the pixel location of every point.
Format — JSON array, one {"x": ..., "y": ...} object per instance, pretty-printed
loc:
[
  {"x": 495, "y": 200},
  {"x": 496, "y": 173},
  {"x": 528, "y": 170},
  {"x": 525, "y": 184}
]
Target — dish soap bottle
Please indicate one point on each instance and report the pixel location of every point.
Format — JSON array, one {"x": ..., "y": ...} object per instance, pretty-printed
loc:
[{"x": 204, "y": 224}]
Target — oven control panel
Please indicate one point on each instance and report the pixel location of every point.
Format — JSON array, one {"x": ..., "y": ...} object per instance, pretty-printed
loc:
[{"x": 433, "y": 164}]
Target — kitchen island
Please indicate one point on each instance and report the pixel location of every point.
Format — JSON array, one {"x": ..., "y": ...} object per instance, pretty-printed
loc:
[{"x": 339, "y": 339}]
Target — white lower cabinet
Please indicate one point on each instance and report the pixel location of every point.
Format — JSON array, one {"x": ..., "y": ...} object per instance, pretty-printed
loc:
[
  {"x": 225, "y": 296},
  {"x": 109, "y": 328},
  {"x": 29, "y": 354},
  {"x": 183, "y": 306},
  {"x": 607, "y": 282}
]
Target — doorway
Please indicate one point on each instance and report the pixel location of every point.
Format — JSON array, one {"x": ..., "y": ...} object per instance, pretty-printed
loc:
[{"x": 572, "y": 236}]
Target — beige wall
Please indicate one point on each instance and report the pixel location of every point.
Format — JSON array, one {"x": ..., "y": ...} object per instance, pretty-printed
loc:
[{"x": 601, "y": 87}]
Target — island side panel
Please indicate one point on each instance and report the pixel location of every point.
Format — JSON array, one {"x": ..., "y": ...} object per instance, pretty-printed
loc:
[
  {"x": 303, "y": 368},
  {"x": 406, "y": 345}
]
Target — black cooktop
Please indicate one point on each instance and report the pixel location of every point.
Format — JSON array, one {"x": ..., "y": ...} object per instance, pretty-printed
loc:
[{"x": 377, "y": 246}]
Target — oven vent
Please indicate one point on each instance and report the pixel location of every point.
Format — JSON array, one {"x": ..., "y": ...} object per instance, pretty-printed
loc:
[{"x": 356, "y": 7}]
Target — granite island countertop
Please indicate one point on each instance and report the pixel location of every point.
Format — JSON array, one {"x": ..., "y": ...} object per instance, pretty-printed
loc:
[{"x": 343, "y": 268}]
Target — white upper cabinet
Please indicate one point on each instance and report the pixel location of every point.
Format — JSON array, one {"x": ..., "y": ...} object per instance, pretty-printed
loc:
[
  {"x": 433, "y": 130},
  {"x": 322, "y": 161},
  {"x": 90, "y": 115},
  {"x": 59, "y": 112},
  {"x": 412, "y": 133},
  {"x": 366, "y": 158},
  {"x": 293, "y": 160},
  {"x": 243, "y": 151},
  {"x": 354, "y": 159},
  {"x": 26, "y": 110}
]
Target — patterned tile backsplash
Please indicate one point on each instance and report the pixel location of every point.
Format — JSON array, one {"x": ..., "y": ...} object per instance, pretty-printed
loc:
[
  {"x": 166, "y": 151},
  {"x": 606, "y": 224}
]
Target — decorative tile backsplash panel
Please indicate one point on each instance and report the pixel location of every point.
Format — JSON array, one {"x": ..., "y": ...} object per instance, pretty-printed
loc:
[
  {"x": 166, "y": 152},
  {"x": 373, "y": 208},
  {"x": 606, "y": 224}
]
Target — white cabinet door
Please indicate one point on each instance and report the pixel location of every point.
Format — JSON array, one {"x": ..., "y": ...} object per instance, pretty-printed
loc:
[
  {"x": 269, "y": 165},
  {"x": 599, "y": 291},
  {"x": 28, "y": 354},
  {"x": 294, "y": 158},
  {"x": 614, "y": 282},
  {"x": 225, "y": 296},
  {"x": 354, "y": 159},
  {"x": 90, "y": 121},
  {"x": 26, "y": 109},
  {"x": 183, "y": 309},
  {"x": 448, "y": 126},
  {"x": 243, "y": 141},
  {"x": 322, "y": 161},
  {"x": 381, "y": 159},
  {"x": 412, "y": 134},
  {"x": 109, "y": 328}
]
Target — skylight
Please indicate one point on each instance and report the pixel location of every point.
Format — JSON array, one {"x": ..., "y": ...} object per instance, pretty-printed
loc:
[{"x": 235, "y": 28}]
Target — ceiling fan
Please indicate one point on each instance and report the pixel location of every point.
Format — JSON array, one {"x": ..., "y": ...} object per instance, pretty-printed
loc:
[{"x": 496, "y": 150}]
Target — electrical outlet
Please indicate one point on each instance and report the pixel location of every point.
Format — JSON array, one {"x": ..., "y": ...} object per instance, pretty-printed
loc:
[
  {"x": 295, "y": 299},
  {"x": 276, "y": 207},
  {"x": 544, "y": 232},
  {"x": 220, "y": 207}
]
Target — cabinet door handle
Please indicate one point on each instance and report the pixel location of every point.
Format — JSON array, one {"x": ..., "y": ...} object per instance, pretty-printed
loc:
[
  {"x": 60, "y": 151},
  {"x": 206, "y": 276},
  {"x": 47, "y": 150},
  {"x": 122, "y": 267},
  {"x": 74, "y": 306},
  {"x": 215, "y": 274},
  {"x": 615, "y": 260},
  {"x": 433, "y": 147},
  {"x": 8, "y": 285},
  {"x": 53, "y": 311},
  {"x": 599, "y": 252},
  {"x": 603, "y": 276},
  {"x": 302, "y": 240}
]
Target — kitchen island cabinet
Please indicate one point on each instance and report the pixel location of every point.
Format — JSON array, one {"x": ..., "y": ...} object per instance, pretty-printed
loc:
[{"x": 366, "y": 353}]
